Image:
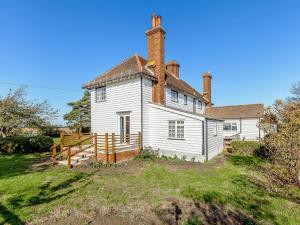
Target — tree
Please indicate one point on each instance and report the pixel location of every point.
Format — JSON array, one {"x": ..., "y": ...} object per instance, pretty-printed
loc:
[
  {"x": 16, "y": 112},
  {"x": 284, "y": 145},
  {"x": 80, "y": 115}
]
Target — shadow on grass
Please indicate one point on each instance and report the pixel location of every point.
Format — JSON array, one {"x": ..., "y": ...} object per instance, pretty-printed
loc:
[
  {"x": 196, "y": 212},
  {"x": 245, "y": 195},
  {"x": 46, "y": 194},
  {"x": 17, "y": 164},
  {"x": 9, "y": 217},
  {"x": 246, "y": 161}
]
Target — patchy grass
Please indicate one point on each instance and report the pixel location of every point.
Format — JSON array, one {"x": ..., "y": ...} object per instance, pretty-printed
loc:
[{"x": 226, "y": 189}]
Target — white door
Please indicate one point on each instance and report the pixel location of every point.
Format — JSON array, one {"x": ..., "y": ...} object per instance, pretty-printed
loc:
[{"x": 124, "y": 129}]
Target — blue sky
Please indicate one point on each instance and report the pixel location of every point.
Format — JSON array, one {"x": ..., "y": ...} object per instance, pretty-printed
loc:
[{"x": 251, "y": 47}]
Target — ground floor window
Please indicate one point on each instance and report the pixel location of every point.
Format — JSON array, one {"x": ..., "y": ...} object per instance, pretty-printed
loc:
[
  {"x": 176, "y": 129},
  {"x": 230, "y": 126}
]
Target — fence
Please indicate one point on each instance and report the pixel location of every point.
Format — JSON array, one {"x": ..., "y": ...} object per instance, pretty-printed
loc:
[{"x": 104, "y": 146}]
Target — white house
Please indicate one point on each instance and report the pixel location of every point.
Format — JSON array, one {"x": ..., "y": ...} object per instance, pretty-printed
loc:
[
  {"x": 242, "y": 121},
  {"x": 148, "y": 96}
]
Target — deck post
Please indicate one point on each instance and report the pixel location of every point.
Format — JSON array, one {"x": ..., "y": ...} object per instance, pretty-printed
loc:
[
  {"x": 113, "y": 147},
  {"x": 106, "y": 148},
  {"x": 95, "y": 146},
  {"x": 69, "y": 157},
  {"x": 139, "y": 141},
  {"x": 80, "y": 144},
  {"x": 62, "y": 137},
  {"x": 54, "y": 154}
]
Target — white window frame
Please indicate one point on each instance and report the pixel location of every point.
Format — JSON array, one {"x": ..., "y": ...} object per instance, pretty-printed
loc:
[
  {"x": 230, "y": 126},
  {"x": 185, "y": 100},
  {"x": 100, "y": 94},
  {"x": 174, "y": 96},
  {"x": 176, "y": 129},
  {"x": 200, "y": 105}
]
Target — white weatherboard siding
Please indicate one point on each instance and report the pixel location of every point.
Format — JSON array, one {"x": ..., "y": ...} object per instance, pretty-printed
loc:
[
  {"x": 247, "y": 128},
  {"x": 147, "y": 98},
  {"x": 190, "y": 147},
  {"x": 120, "y": 97},
  {"x": 250, "y": 129},
  {"x": 215, "y": 140},
  {"x": 180, "y": 104}
]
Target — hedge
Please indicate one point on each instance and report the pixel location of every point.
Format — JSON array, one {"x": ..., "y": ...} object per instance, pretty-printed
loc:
[
  {"x": 250, "y": 147},
  {"x": 25, "y": 144}
]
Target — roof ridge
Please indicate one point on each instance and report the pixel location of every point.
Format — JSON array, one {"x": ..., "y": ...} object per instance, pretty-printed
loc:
[
  {"x": 239, "y": 105},
  {"x": 122, "y": 62}
]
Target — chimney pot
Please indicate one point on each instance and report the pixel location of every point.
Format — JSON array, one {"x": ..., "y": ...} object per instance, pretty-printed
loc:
[{"x": 173, "y": 68}]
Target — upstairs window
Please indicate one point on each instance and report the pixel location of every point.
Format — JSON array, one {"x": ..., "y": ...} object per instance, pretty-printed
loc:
[
  {"x": 230, "y": 127},
  {"x": 174, "y": 96},
  {"x": 185, "y": 99},
  {"x": 176, "y": 129},
  {"x": 100, "y": 94},
  {"x": 199, "y": 105}
]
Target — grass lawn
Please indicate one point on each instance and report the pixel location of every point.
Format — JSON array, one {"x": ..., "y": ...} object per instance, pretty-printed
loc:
[{"x": 226, "y": 190}]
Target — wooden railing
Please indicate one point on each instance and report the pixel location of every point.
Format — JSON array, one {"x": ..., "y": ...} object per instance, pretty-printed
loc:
[{"x": 107, "y": 144}]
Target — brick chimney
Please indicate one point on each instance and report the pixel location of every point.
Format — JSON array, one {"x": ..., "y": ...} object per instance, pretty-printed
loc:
[
  {"x": 207, "y": 87},
  {"x": 156, "y": 58},
  {"x": 173, "y": 68}
]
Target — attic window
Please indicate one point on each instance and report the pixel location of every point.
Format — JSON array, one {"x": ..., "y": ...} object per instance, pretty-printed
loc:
[
  {"x": 199, "y": 105},
  {"x": 101, "y": 94},
  {"x": 174, "y": 96}
]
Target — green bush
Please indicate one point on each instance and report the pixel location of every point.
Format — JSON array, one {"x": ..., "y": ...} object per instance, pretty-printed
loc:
[
  {"x": 250, "y": 147},
  {"x": 148, "y": 154},
  {"x": 25, "y": 144}
]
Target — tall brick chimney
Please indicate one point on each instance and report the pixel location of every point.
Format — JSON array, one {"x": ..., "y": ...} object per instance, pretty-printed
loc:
[
  {"x": 207, "y": 87},
  {"x": 156, "y": 57},
  {"x": 173, "y": 68}
]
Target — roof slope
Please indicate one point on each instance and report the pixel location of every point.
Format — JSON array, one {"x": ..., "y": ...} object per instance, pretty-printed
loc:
[
  {"x": 137, "y": 64},
  {"x": 181, "y": 85},
  {"x": 133, "y": 65},
  {"x": 236, "y": 111}
]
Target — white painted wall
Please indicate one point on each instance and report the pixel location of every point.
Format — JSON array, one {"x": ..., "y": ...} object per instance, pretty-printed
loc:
[
  {"x": 215, "y": 142},
  {"x": 147, "y": 98},
  {"x": 190, "y": 147},
  {"x": 180, "y": 104},
  {"x": 247, "y": 128},
  {"x": 120, "y": 97}
]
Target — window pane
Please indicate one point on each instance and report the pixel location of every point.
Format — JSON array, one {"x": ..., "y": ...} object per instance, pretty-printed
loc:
[
  {"x": 227, "y": 126},
  {"x": 174, "y": 96},
  {"x": 172, "y": 129},
  {"x": 100, "y": 94},
  {"x": 199, "y": 105},
  {"x": 180, "y": 129},
  {"x": 185, "y": 99},
  {"x": 234, "y": 126}
]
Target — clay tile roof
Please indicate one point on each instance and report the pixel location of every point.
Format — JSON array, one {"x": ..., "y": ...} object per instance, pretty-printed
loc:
[
  {"x": 182, "y": 86},
  {"x": 137, "y": 64},
  {"x": 133, "y": 65},
  {"x": 236, "y": 111}
]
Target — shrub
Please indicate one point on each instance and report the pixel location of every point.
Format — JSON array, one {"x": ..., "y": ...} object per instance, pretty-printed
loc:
[
  {"x": 25, "y": 144},
  {"x": 248, "y": 147},
  {"x": 148, "y": 154}
]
